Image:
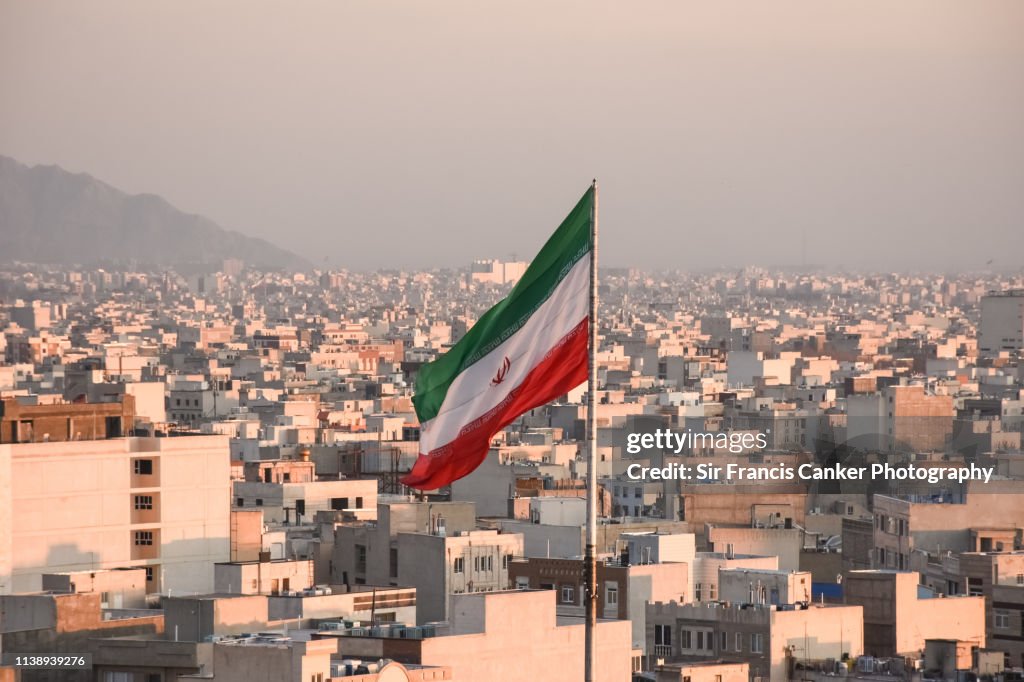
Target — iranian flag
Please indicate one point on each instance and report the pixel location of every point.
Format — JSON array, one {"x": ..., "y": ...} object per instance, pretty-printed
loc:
[{"x": 526, "y": 351}]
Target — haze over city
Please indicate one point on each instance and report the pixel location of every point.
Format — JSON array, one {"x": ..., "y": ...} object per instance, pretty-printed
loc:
[
  {"x": 311, "y": 369},
  {"x": 850, "y": 134}
]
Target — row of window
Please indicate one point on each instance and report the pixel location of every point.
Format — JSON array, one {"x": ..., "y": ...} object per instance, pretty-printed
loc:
[
  {"x": 481, "y": 564},
  {"x": 712, "y": 592},
  {"x": 693, "y": 640},
  {"x": 624, "y": 492},
  {"x": 891, "y": 559},
  {"x": 568, "y": 593},
  {"x": 892, "y": 525}
]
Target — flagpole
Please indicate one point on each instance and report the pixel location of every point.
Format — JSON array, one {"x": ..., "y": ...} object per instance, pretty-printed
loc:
[{"x": 590, "y": 559}]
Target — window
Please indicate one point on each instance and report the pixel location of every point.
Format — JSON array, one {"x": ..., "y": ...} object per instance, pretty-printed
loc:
[
  {"x": 505, "y": 561},
  {"x": 143, "y": 537},
  {"x": 709, "y": 641},
  {"x": 459, "y": 565},
  {"x": 686, "y": 639},
  {"x": 974, "y": 587},
  {"x": 739, "y": 641},
  {"x": 568, "y": 594},
  {"x": 143, "y": 467},
  {"x": 723, "y": 641},
  {"x": 638, "y": 493},
  {"x": 1002, "y": 619},
  {"x": 359, "y": 503},
  {"x": 1020, "y": 578},
  {"x": 698, "y": 591},
  {"x": 611, "y": 595},
  {"x": 663, "y": 634},
  {"x": 713, "y": 592},
  {"x": 757, "y": 643},
  {"x": 240, "y": 502},
  {"x": 490, "y": 563},
  {"x": 149, "y": 574},
  {"x": 393, "y": 560},
  {"x": 259, "y": 501},
  {"x": 339, "y": 503},
  {"x": 700, "y": 639},
  {"x": 360, "y": 558},
  {"x": 143, "y": 501}
]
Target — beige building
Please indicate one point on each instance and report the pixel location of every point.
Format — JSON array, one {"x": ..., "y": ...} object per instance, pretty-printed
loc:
[
  {"x": 121, "y": 588},
  {"x": 433, "y": 547},
  {"x": 987, "y": 519},
  {"x": 157, "y": 503},
  {"x": 498, "y": 637},
  {"x": 897, "y": 620},
  {"x": 712, "y": 671},
  {"x": 900, "y": 419},
  {"x": 747, "y": 586},
  {"x": 263, "y": 577},
  {"x": 298, "y": 502},
  {"x": 769, "y": 638}
]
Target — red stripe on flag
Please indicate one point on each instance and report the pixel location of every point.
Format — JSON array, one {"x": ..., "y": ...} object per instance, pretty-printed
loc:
[{"x": 562, "y": 369}]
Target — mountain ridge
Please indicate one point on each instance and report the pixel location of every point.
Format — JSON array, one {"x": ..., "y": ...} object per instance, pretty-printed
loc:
[{"x": 53, "y": 216}]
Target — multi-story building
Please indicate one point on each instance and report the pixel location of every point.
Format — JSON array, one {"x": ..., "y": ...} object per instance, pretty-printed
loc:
[
  {"x": 899, "y": 616},
  {"x": 40, "y": 423},
  {"x": 297, "y": 501},
  {"x": 1002, "y": 322},
  {"x": 771, "y": 639},
  {"x": 623, "y": 590},
  {"x": 430, "y": 546},
  {"x": 159, "y": 503}
]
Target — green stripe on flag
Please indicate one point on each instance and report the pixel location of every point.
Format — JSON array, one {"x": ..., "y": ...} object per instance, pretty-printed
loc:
[{"x": 569, "y": 243}]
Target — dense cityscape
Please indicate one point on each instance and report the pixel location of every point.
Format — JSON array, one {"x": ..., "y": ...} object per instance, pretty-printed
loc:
[{"x": 200, "y": 478}]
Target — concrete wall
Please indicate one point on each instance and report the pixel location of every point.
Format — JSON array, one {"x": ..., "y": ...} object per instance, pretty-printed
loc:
[
  {"x": 897, "y": 622},
  {"x": 817, "y": 633},
  {"x": 778, "y": 587},
  {"x": 780, "y": 542},
  {"x": 72, "y": 509},
  {"x": 706, "y": 568},
  {"x": 521, "y": 638},
  {"x": 267, "y": 577},
  {"x": 428, "y": 563},
  {"x": 125, "y": 589}
]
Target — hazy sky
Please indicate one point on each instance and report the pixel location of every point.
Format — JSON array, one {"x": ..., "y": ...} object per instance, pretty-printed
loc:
[{"x": 889, "y": 132}]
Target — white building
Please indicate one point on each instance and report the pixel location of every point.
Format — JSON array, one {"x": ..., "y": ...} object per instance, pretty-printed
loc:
[
  {"x": 1002, "y": 322},
  {"x": 158, "y": 503}
]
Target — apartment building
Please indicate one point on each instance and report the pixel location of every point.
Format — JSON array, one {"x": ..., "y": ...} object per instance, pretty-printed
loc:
[
  {"x": 433, "y": 547},
  {"x": 771, "y": 639},
  {"x": 158, "y": 503},
  {"x": 899, "y": 615}
]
